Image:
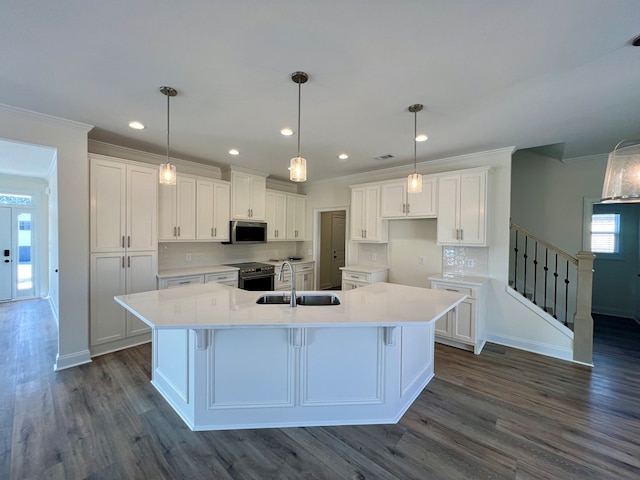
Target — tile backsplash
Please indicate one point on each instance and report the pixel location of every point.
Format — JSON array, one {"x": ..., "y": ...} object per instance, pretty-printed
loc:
[{"x": 471, "y": 261}]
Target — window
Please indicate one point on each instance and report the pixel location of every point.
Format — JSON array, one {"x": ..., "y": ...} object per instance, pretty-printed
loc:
[
  {"x": 10, "y": 199},
  {"x": 605, "y": 233}
]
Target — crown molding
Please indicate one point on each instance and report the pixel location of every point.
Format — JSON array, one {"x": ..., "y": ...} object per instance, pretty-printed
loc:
[{"x": 85, "y": 127}]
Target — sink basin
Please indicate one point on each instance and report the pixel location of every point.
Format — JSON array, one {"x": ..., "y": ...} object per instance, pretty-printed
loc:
[{"x": 302, "y": 299}]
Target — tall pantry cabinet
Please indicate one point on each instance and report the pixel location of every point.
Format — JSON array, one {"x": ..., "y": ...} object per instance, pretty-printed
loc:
[{"x": 124, "y": 248}]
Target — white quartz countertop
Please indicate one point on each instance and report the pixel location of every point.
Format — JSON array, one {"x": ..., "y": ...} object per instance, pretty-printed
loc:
[
  {"x": 277, "y": 263},
  {"x": 364, "y": 268},
  {"x": 219, "y": 306},
  {"x": 459, "y": 279},
  {"x": 183, "y": 272}
]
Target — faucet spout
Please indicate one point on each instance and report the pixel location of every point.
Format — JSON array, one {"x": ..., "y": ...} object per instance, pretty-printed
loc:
[{"x": 293, "y": 302}]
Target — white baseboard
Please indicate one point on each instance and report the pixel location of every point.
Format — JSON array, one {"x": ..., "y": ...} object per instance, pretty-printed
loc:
[
  {"x": 54, "y": 312},
  {"x": 534, "y": 347},
  {"x": 72, "y": 360},
  {"x": 613, "y": 312}
]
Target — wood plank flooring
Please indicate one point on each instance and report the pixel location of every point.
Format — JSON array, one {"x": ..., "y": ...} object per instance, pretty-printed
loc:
[{"x": 505, "y": 414}]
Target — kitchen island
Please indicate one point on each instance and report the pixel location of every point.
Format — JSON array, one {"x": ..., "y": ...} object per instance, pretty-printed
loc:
[{"x": 224, "y": 362}]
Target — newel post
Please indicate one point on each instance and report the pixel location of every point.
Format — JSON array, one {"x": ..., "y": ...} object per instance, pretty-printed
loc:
[{"x": 582, "y": 321}]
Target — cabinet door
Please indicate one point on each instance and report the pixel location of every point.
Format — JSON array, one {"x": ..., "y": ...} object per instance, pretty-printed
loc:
[
  {"x": 296, "y": 211},
  {"x": 473, "y": 208},
  {"x": 372, "y": 229},
  {"x": 357, "y": 213},
  {"x": 393, "y": 200},
  {"x": 463, "y": 328},
  {"x": 108, "y": 279},
  {"x": 448, "y": 210},
  {"x": 204, "y": 209},
  {"x": 304, "y": 280},
  {"x": 276, "y": 215},
  {"x": 443, "y": 325},
  {"x": 240, "y": 196},
  {"x": 186, "y": 203},
  {"x": 221, "y": 211},
  {"x": 167, "y": 211},
  {"x": 142, "y": 268},
  {"x": 142, "y": 208},
  {"x": 258, "y": 192},
  {"x": 423, "y": 204},
  {"x": 108, "y": 213}
]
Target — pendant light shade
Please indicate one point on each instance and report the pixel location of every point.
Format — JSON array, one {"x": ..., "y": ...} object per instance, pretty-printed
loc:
[
  {"x": 622, "y": 177},
  {"x": 167, "y": 171},
  {"x": 414, "y": 181},
  {"x": 298, "y": 165}
]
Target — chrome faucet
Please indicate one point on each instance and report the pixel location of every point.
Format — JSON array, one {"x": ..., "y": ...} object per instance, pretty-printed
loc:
[{"x": 293, "y": 302}]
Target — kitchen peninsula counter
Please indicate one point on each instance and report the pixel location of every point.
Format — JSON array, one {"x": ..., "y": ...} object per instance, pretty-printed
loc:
[{"x": 224, "y": 362}]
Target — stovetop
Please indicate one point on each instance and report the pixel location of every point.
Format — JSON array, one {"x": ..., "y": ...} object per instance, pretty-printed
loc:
[{"x": 253, "y": 268}]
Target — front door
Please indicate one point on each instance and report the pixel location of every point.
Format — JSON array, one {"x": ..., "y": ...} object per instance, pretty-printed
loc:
[
  {"x": 338, "y": 232},
  {"x": 6, "y": 248}
]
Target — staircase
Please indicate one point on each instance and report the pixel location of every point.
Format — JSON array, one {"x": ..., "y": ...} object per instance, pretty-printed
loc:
[{"x": 555, "y": 284}]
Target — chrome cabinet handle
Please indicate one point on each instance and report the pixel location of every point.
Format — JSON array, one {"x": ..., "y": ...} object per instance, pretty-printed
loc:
[
  {"x": 215, "y": 231},
  {"x": 129, "y": 241},
  {"x": 404, "y": 208},
  {"x": 122, "y": 241},
  {"x": 408, "y": 205},
  {"x": 123, "y": 261},
  {"x": 212, "y": 231},
  {"x": 178, "y": 231},
  {"x": 461, "y": 234},
  {"x": 129, "y": 261},
  {"x": 175, "y": 231}
]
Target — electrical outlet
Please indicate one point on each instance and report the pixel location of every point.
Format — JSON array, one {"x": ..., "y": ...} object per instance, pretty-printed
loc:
[
  {"x": 310, "y": 252},
  {"x": 420, "y": 260},
  {"x": 188, "y": 257},
  {"x": 374, "y": 257},
  {"x": 471, "y": 263}
]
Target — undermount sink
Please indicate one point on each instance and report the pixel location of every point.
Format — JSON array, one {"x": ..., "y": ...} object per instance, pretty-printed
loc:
[{"x": 302, "y": 299}]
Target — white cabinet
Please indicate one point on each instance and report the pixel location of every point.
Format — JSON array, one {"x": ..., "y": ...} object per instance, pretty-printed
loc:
[
  {"x": 248, "y": 195},
  {"x": 296, "y": 217},
  {"x": 462, "y": 202},
  {"x": 396, "y": 202},
  {"x": 212, "y": 210},
  {"x": 124, "y": 201},
  {"x": 305, "y": 277},
  {"x": 464, "y": 325},
  {"x": 355, "y": 276},
  {"x": 199, "y": 276},
  {"x": 225, "y": 278},
  {"x": 366, "y": 224},
  {"x": 276, "y": 215},
  {"x": 177, "y": 210},
  {"x": 123, "y": 237}
]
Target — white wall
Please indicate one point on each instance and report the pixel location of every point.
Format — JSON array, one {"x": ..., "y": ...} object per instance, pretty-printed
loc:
[
  {"x": 54, "y": 279},
  {"x": 70, "y": 141}
]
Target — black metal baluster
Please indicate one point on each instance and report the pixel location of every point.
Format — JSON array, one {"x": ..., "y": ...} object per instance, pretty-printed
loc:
[
  {"x": 535, "y": 274},
  {"x": 546, "y": 275},
  {"x": 515, "y": 265},
  {"x": 525, "y": 256},
  {"x": 566, "y": 296},
  {"x": 555, "y": 290}
]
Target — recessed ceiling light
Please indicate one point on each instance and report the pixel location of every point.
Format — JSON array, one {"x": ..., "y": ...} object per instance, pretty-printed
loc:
[
  {"x": 136, "y": 125},
  {"x": 343, "y": 156},
  {"x": 287, "y": 132},
  {"x": 234, "y": 151},
  {"x": 421, "y": 138}
]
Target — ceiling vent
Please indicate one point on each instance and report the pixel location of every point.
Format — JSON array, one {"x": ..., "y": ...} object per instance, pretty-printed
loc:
[{"x": 384, "y": 157}]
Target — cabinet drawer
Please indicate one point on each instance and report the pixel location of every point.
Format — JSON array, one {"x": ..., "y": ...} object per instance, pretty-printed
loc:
[
  {"x": 305, "y": 267},
  {"x": 226, "y": 278},
  {"x": 358, "y": 277},
  {"x": 470, "y": 292},
  {"x": 183, "y": 281}
]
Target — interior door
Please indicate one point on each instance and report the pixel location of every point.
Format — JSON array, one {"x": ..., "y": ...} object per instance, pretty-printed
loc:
[
  {"x": 338, "y": 226},
  {"x": 6, "y": 249}
]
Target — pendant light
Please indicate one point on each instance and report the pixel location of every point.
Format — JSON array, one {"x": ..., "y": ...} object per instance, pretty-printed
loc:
[
  {"x": 298, "y": 165},
  {"x": 622, "y": 177},
  {"x": 414, "y": 181},
  {"x": 167, "y": 172}
]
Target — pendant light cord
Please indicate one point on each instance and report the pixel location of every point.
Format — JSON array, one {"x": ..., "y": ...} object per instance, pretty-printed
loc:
[
  {"x": 415, "y": 143},
  {"x": 168, "y": 99},
  {"x": 299, "y": 97}
]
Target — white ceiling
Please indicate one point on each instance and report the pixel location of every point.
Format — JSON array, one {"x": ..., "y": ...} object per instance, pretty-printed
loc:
[
  {"x": 491, "y": 74},
  {"x": 18, "y": 158}
]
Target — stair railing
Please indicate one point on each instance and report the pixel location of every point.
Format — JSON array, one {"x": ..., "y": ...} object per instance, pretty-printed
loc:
[{"x": 558, "y": 283}]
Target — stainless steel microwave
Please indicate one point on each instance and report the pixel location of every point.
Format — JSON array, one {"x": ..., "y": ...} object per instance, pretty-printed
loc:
[{"x": 247, "y": 232}]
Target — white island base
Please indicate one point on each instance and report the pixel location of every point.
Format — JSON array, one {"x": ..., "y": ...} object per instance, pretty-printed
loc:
[
  {"x": 223, "y": 362},
  {"x": 219, "y": 379}
]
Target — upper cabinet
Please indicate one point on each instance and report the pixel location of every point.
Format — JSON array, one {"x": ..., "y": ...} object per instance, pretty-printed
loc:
[
  {"x": 396, "y": 202},
  {"x": 124, "y": 208},
  {"x": 177, "y": 212},
  {"x": 285, "y": 216},
  {"x": 248, "y": 196},
  {"x": 462, "y": 202},
  {"x": 366, "y": 224},
  {"x": 212, "y": 209}
]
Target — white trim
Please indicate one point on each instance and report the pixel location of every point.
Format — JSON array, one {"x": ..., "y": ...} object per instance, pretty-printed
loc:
[
  {"x": 71, "y": 360},
  {"x": 612, "y": 312},
  {"x": 529, "y": 346},
  {"x": 49, "y": 118},
  {"x": 53, "y": 310},
  {"x": 316, "y": 236},
  {"x": 401, "y": 170},
  {"x": 541, "y": 313}
]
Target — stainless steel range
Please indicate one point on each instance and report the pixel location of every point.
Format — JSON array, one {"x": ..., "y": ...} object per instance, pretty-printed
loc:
[{"x": 255, "y": 276}]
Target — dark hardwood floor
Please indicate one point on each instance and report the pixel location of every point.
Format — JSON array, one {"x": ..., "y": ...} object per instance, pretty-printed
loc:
[{"x": 505, "y": 414}]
